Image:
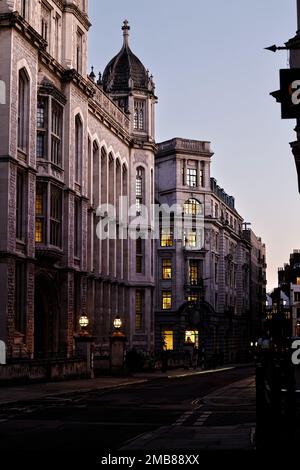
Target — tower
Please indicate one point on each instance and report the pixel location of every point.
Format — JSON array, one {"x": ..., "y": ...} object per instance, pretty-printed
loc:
[{"x": 128, "y": 82}]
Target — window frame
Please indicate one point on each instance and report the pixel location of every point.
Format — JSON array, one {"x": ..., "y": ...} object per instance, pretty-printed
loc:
[
  {"x": 166, "y": 268},
  {"x": 166, "y": 299},
  {"x": 23, "y": 115},
  {"x": 191, "y": 177}
]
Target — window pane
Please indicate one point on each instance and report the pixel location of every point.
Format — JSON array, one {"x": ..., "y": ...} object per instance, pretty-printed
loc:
[
  {"x": 40, "y": 145},
  {"x": 168, "y": 340},
  {"x": 193, "y": 337},
  {"x": 192, "y": 207},
  {"x": 39, "y": 231},
  {"x": 194, "y": 272},
  {"x": 166, "y": 268},
  {"x": 166, "y": 237},
  {"x": 166, "y": 300},
  {"x": 191, "y": 177}
]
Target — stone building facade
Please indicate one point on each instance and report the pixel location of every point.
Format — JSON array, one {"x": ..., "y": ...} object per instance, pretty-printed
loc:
[
  {"x": 257, "y": 278},
  {"x": 203, "y": 284},
  {"x": 69, "y": 144}
]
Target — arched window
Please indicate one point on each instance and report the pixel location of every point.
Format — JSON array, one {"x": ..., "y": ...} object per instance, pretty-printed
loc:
[
  {"x": 193, "y": 231},
  {"x": 139, "y": 115},
  {"x": 23, "y": 110},
  {"x": 124, "y": 180},
  {"x": 141, "y": 119},
  {"x": 136, "y": 119},
  {"x": 78, "y": 148},
  {"x": 139, "y": 185},
  {"x": 192, "y": 207},
  {"x": 96, "y": 165}
]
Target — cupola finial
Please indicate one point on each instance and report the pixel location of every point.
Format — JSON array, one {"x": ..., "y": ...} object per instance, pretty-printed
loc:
[{"x": 125, "y": 29}]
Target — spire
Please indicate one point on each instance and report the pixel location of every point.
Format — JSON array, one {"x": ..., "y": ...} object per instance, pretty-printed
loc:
[{"x": 125, "y": 29}]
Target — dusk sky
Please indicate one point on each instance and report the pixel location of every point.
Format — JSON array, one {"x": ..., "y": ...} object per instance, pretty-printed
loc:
[{"x": 213, "y": 79}]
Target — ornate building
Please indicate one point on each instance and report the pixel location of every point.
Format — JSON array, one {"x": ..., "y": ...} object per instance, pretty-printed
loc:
[
  {"x": 69, "y": 144},
  {"x": 203, "y": 283}
]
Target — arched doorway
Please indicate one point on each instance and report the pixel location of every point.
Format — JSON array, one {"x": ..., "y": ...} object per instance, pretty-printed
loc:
[{"x": 46, "y": 318}]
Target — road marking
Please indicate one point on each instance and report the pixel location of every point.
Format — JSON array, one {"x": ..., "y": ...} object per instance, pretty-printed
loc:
[
  {"x": 204, "y": 417},
  {"x": 183, "y": 418},
  {"x": 190, "y": 374},
  {"x": 197, "y": 402}
]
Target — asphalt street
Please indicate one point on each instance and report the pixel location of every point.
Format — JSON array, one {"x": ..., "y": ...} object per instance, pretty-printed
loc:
[{"x": 114, "y": 419}]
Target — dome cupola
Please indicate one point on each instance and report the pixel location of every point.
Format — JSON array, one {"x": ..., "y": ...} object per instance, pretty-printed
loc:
[{"x": 125, "y": 71}]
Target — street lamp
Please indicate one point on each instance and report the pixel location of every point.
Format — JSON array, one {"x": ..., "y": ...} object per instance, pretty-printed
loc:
[
  {"x": 83, "y": 323},
  {"x": 117, "y": 323}
]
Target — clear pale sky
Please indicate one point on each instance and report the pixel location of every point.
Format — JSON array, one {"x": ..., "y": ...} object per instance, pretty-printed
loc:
[{"x": 213, "y": 79}]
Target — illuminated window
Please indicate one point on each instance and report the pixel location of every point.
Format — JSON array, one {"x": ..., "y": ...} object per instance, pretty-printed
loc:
[
  {"x": 194, "y": 272},
  {"x": 192, "y": 336},
  {"x": 40, "y": 211},
  {"x": 166, "y": 268},
  {"x": 166, "y": 237},
  {"x": 192, "y": 207},
  {"x": 167, "y": 336},
  {"x": 39, "y": 231},
  {"x": 167, "y": 300},
  {"x": 298, "y": 281},
  {"x": 194, "y": 298},
  {"x": 139, "y": 310},
  {"x": 191, "y": 177},
  {"x": 191, "y": 239}
]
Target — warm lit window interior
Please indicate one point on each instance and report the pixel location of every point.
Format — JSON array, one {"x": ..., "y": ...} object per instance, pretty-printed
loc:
[
  {"x": 167, "y": 336},
  {"x": 166, "y": 300},
  {"x": 192, "y": 336},
  {"x": 166, "y": 268}
]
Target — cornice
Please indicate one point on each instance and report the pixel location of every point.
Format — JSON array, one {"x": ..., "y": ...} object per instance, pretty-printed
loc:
[
  {"x": 17, "y": 21},
  {"x": 79, "y": 15},
  {"x": 71, "y": 75}
]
